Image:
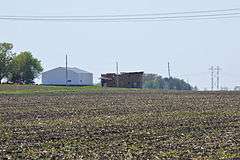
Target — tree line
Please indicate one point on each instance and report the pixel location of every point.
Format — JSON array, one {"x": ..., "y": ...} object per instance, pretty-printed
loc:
[
  {"x": 20, "y": 68},
  {"x": 154, "y": 81}
]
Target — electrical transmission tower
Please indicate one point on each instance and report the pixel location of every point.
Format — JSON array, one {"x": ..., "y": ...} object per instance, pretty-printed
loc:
[
  {"x": 212, "y": 77},
  {"x": 215, "y": 77},
  {"x": 218, "y": 77}
]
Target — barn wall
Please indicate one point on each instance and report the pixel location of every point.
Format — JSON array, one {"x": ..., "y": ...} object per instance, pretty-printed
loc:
[
  {"x": 73, "y": 78},
  {"x": 125, "y": 80},
  {"x": 58, "y": 77},
  {"x": 131, "y": 80},
  {"x": 85, "y": 79},
  {"x": 110, "y": 80}
]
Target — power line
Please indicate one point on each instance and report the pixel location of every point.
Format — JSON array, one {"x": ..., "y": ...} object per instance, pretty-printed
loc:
[
  {"x": 189, "y": 18},
  {"x": 126, "y": 18},
  {"x": 194, "y": 74},
  {"x": 127, "y": 15},
  {"x": 122, "y": 18}
]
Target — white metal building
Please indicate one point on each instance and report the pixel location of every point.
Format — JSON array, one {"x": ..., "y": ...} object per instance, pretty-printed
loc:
[{"x": 76, "y": 76}]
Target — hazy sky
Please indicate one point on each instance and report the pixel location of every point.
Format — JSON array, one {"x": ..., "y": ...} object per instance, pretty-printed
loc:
[{"x": 190, "y": 46}]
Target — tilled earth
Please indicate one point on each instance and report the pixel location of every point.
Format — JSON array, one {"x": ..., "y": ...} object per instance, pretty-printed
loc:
[{"x": 121, "y": 125}]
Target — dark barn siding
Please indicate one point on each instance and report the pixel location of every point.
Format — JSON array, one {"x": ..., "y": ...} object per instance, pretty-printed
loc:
[{"x": 123, "y": 80}]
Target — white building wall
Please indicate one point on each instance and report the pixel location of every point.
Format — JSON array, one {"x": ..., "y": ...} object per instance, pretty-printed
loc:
[
  {"x": 73, "y": 78},
  {"x": 86, "y": 79},
  {"x": 58, "y": 77}
]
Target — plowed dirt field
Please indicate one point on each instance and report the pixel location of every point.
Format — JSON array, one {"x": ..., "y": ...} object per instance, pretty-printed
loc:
[{"x": 120, "y": 125}]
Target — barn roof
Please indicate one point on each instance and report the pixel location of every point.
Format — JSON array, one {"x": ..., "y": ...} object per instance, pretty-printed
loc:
[
  {"x": 77, "y": 70},
  {"x": 73, "y": 69}
]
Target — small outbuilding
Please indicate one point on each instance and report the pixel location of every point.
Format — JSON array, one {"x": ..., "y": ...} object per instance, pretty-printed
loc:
[{"x": 76, "y": 77}]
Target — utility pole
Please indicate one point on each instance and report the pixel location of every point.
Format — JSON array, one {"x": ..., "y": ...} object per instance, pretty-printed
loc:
[
  {"x": 212, "y": 77},
  {"x": 218, "y": 77},
  {"x": 169, "y": 70},
  {"x": 66, "y": 70},
  {"x": 117, "y": 68},
  {"x": 117, "y": 72}
]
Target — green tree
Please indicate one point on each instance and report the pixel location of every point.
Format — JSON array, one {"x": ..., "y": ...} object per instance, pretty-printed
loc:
[
  {"x": 6, "y": 56},
  {"x": 155, "y": 81},
  {"x": 24, "y": 68}
]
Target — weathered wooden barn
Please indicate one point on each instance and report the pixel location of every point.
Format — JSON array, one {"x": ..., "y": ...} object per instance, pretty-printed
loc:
[{"x": 123, "y": 80}]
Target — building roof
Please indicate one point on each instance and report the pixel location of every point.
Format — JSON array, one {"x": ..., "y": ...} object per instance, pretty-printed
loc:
[
  {"x": 132, "y": 72},
  {"x": 73, "y": 69},
  {"x": 77, "y": 70}
]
